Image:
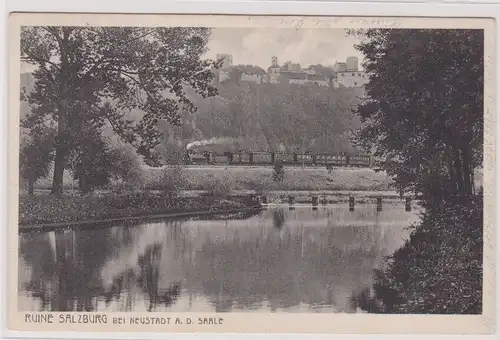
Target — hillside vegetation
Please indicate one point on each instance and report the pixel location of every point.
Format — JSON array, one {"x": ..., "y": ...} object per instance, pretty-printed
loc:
[{"x": 258, "y": 117}]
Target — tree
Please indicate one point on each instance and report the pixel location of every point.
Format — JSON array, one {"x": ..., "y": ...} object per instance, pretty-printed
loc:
[
  {"x": 423, "y": 113},
  {"x": 96, "y": 75},
  {"x": 92, "y": 164},
  {"x": 36, "y": 156},
  {"x": 279, "y": 171},
  {"x": 173, "y": 180},
  {"x": 124, "y": 166}
]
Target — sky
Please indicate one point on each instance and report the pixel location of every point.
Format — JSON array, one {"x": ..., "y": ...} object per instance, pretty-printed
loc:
[{"x": 256, "y": 46}]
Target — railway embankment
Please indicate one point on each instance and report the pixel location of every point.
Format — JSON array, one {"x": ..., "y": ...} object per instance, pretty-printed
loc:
[
  {"x": 261, "y": 179},
  {"x": 244, "y": 178}
]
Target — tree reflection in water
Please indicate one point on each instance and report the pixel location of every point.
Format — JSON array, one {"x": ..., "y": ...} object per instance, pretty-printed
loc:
[
  {"x": 252, "y": 264},
  {"x": 279, "y": 218},
  {"x": 64, "y": 267},
  {"x": 65, "y": 270}
]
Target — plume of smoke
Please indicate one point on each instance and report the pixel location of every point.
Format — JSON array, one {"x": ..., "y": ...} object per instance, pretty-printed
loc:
[{"x": 211, "y": 141}]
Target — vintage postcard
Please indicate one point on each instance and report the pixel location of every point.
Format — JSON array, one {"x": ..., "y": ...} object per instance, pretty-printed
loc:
[{"x": 205, "y": 173}]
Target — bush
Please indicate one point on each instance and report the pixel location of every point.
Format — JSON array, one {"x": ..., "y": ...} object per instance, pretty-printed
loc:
[
  {"x": 92, "y": 163},
  {"x": 279, "y": 172},
  {"x": 439, "y": 269},
  {"x": 220, "y": 187},
  {"x": 35, "y": 157},
  {"x": 260, "y": 184},
  {"x": 126, "y": 172},
  {"x": 173, "y": 180}
]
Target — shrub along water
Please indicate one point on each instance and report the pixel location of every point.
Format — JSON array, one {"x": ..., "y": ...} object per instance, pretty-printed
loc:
[
  {"x": 49, "y": 209},
  {"x": 439, "y": 269}
]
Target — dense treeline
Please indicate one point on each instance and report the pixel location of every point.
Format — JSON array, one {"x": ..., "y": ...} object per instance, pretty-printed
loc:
[
  {"x": 424, "y": 117},
  {"x": 273, "y": 117}
]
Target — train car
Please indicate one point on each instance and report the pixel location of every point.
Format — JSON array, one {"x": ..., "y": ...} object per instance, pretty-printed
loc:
[
  {"x": 221, "y": 159},
  {"x": 262, "y": 158},
  {"x": 359, "y": 161},
  {"x": 307, "y": 159},
  {"x": 235, "y": 158},
  {"x": 286, "y": 158},
  {"x": 211, "y": 157},
  {"x": 268, "y": 158},
  {"x": 334, "y": 160},
  {"x": 194, "y": 157},
  {"x": 245, "y": 157}
]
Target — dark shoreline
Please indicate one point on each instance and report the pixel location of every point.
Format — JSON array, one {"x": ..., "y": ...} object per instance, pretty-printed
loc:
[
  {"x": 51, "y": 213},
  {"x": 125, "y": 220}
]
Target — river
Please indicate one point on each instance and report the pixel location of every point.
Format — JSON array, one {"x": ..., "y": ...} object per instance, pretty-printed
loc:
[{"x": 278, "y": 260}]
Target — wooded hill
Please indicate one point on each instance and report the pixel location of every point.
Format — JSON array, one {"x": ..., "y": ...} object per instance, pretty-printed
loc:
[{"x": 260, "y": 117}]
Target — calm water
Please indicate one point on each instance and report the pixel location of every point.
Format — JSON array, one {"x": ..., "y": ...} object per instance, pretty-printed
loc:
[{"x": 278, "y": 260}]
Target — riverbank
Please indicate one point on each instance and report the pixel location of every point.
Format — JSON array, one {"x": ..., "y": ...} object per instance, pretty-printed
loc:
[
  {"x": 438, "y": 270},
  {"x": 49, "y": 210}
]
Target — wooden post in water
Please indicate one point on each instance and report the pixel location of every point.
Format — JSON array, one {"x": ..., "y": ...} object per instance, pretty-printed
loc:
[
  {"x": 379, "y": 203},
  {"x": 351, "y": 203},
  {"x": 408, "y": 204},
  {"x": 291, "y": 202},
  {"x": 315, "y": 201}
]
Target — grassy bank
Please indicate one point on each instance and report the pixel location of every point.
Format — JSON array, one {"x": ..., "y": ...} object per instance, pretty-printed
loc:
[
  {"x": 439, "y": 269},
  {"x": 48, "y": 209},
  {"x": 261, "y": 178}
]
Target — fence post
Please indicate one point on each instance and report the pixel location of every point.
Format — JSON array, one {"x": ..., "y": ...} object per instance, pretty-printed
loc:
[
  {"x": 379, "y": 203},
  {"x": 315, "y": 201},
  {"x": 351, "y": 203}
]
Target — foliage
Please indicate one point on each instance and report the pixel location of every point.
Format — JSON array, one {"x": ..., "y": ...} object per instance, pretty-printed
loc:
[
  {"x": 279, "y": 171},
  {"x": 93, "y": 164},
  {"x": 326, "y": 71},
  {"x": 219, "y": 187},
  {"x": 125, "y": 168},
  {"x": 439, "y": 269},
  {"x": 173, "y": 180},
  {"x": 266, "y": 116},
  {"x": 236, "y": 72},
  {"x": 48, "y": 209},
  {"x": 423, "y": 113},
  {"x": 94, "y": 76},
  {"x": 36, "y": 156}
]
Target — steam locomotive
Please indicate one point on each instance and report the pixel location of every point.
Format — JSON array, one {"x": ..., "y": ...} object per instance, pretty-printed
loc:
[{"x": 269, "y": 158}]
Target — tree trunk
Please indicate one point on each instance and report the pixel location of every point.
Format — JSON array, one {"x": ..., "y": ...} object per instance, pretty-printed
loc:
[
  {"x": 61, "y": 144},
  {"x": 57, "y": 180},
  {"x": 458, "y": 170},
  {"x": 453, "y": 177},
  {"x": 60, "y": 158},
  {"x": 31, "y": 187}
]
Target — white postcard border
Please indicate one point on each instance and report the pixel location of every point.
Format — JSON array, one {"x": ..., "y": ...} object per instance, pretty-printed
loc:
[{"x": 399, "y": 324}]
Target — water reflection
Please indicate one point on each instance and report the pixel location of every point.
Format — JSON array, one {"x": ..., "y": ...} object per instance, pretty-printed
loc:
[
  {"x": 278, "y": 260},
  {"x": 279, "y": 217}
]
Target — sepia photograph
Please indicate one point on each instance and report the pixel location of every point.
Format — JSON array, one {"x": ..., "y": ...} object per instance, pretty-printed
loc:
[{"x": 266, "y": 169}]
